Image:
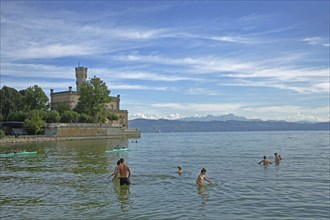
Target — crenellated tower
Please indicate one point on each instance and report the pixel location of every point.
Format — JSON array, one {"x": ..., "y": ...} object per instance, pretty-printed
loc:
[{"x": 81, "y": 76}]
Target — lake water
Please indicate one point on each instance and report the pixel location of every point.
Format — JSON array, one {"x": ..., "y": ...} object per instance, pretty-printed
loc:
[{"x": 71, "y": 179}]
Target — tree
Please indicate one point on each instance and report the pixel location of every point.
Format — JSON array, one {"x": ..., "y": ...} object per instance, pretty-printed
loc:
[
  {"x": 34, "y": 124},
  {"x": 93, "y": 96},
  {"x": 34, "y": 98},
  {"x": 2, "y": 134},
  {"x": 9, "y": 101},
  {"x": 112, "y": 117},
  {"x": 17, "y": 116},
  {"x": 69, "y": 117},
  {"x": 61, "y": 108},
  {"x": 84, "y": 118},
  {"x": 52, "y": 116}
]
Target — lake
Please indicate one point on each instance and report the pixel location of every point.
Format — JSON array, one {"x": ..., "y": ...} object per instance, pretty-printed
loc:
[{"x": 71, "y": 179}]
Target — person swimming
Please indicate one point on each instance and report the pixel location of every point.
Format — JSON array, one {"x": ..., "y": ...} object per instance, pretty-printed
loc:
[
  {"x": 201, "y": 177},
  {"x": 265, "y": 162},
  {"x": 277, "y": 158},
  {"x": 180, "y": 170}
]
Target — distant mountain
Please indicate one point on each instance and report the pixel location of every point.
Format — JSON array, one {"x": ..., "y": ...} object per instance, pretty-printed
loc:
[
  {"x": 154, "y": 126},
  {"x": 227, "y": 117}
]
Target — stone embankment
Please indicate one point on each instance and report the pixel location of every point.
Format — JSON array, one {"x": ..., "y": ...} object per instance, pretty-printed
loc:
[
  {"x": 60, "y": 131},
  {"x": 44, "y": 138}
]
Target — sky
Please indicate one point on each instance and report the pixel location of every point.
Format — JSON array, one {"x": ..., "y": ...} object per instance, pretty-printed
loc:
[{"x": 264, "y": 60}]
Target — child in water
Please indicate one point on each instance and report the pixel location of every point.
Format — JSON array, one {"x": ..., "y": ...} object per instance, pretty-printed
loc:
[
  {"x": 180, "y": 170},
  {"x": 115, "y": 171},
  {"x": 202, "y": 177}
]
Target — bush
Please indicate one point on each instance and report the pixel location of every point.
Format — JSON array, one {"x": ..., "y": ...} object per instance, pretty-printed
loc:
[
  {"x": 52, "y": 116},
  {"x": 84, "y": 118},
  {"x": 17, "y": 116},
  {"x": 69, "y": 117},
  {"x": 2, "y": 134},
  {"x": 34, "y": 124}
]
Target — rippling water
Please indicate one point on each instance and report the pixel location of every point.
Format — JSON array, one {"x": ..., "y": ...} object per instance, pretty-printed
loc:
[{"x": 71, "y": 179}]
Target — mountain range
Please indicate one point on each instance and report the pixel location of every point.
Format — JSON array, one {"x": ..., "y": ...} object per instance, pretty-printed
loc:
[{"x": 227, "y": 122}]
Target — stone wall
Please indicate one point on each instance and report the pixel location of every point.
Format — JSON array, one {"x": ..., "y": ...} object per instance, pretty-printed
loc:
[{"x": 88, "y": 130}]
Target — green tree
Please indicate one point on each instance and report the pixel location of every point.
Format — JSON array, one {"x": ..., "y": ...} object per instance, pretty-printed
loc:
[
  {"x": 2, "y": 134},
  {"x": 69, "y": 117},
  {"x": 61, "y": 108},
  {"x": 52, "y": 116},
  {"x": 94, "y": 95},
  {"x": 34, "y": 124},
  {"x": 84, "y": 118},
  {"x": 9, "y": 101},
  {"x": 18, "y": 116},
  {"x": 112, "y": 117},
  {"x": 34, "y": 98}
]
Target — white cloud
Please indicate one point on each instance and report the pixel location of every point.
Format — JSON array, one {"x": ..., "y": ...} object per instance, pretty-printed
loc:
[
  {"x": 137, "y": 87},
  {"x": 199, "y": 107},
  {"x": 51, "y": 51},
  {"x": 316, "y": 41}
]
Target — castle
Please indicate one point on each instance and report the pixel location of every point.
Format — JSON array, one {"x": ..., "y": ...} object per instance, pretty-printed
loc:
[{"x": 71, "y": 98}]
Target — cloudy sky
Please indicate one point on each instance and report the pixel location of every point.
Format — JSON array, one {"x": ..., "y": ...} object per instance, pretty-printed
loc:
[{"x": 173, "y": 59}]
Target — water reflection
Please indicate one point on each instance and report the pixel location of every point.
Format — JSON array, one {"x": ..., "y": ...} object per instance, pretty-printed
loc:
[
  {"x": 202, "y": 192},
  {"x": 123, "y": 196}
]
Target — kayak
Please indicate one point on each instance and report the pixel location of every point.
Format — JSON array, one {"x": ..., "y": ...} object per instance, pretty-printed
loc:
[
  {"x": 117, "y": 150},
  {"x": 22, "y": 153}
]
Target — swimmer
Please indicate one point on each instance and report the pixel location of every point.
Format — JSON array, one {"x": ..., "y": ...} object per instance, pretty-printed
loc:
[
  {"x": 115, "y": 171},
  {"x": 202, "y": 177},
  {"x": 123, "y": 172},
  {"x": 265, "y": 162},
  {"x": 180, "y": 170},
  {"x": 277, "y": 158}
]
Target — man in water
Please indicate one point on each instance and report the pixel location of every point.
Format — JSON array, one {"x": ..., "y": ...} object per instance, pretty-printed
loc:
[
  {"x": 123, "y": 173},
  {"x": 202, "y": 177},
  {"x": 265, "y": 162}
]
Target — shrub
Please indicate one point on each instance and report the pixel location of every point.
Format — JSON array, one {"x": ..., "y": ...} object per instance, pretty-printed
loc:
[{"x": 2, "y": 134}]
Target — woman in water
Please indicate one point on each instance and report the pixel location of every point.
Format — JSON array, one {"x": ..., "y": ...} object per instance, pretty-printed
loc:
[{"x": 202, "y": 177}]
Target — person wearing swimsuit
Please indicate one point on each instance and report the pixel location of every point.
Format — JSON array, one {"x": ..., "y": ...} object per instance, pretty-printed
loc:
[{"x": 123, "y": 172}]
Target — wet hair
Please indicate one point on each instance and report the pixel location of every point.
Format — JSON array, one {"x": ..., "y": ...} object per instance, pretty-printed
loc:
[
  {"x": 118, "y": 162},
  {"x": 203, "y": 170},
  {"x": 179, "y": 167},
  {"x": 264, "y": 157},
  {"x": 121, "y": 160}
]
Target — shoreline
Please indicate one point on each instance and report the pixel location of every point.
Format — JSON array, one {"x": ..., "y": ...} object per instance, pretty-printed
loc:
[{"x": 44, "y": 138}]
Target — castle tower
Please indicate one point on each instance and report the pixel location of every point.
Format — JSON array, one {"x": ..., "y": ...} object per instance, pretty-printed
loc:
[{"x": 81, "y": 76}]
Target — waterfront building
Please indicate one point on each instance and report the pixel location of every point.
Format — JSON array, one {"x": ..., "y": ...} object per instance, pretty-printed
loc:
[{"x": 71, "y": 98}]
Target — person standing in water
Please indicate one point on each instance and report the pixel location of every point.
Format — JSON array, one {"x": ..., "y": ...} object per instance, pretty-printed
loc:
[
  {"x": 201, "y": 177},
  {"x": 277, "y": 159},
  {"x": 265, "y": 162},
  {"x": 115, "y": 171},
  {"x": 124, "y": 173}
]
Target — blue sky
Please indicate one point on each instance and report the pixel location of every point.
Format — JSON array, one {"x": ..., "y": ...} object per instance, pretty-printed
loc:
[{"x": 173, "y": 59}]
